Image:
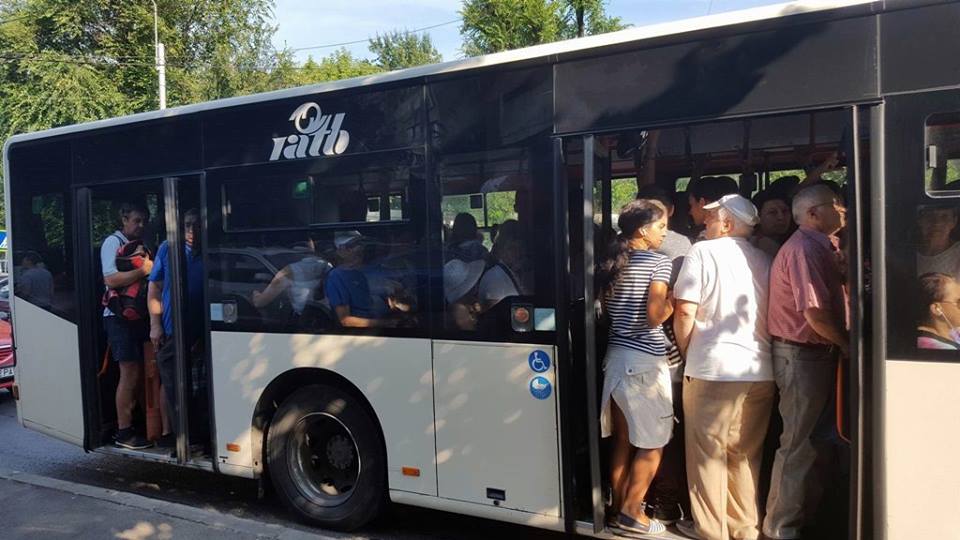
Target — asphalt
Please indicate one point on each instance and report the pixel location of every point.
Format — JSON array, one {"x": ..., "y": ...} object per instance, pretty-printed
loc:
[{"x": 40, "y": 507}]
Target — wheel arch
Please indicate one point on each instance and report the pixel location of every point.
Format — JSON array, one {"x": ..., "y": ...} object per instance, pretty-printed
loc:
[{"x": 286, "y": 384}]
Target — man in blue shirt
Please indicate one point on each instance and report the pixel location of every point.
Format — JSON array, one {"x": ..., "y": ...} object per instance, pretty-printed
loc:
[
  {"x": 347, "y": 288},
  {"x": 161, "y": 313}
]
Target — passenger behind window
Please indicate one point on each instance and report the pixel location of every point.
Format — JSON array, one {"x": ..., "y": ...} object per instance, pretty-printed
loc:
[
  {"x": 300, "y": 280},
  {"x": 509, "y": 274},
  {"x": 937, "y": 251},
  {"x": 465, "y": 242},
  {"x": 939, "y": 312},
  {"x": 34, "y": 281},
  {"x": 460, "y": 288},
  {"x": 348, "y": 289}
]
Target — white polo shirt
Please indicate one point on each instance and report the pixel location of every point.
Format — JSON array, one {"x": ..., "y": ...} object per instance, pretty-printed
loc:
[{"x": 728, "y": 278}]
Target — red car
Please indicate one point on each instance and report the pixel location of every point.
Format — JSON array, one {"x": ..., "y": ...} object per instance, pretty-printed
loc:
[{"x": 7, "y": 360}]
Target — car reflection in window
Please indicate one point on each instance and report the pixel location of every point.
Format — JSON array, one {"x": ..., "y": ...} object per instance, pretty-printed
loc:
[{"x": 273, "y": 287}]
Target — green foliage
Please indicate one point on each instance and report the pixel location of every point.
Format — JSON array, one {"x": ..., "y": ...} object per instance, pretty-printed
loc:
[
  {"x": 398, "y": 50},
  {"x": 340, "y": 64},
  {"x": 592, "y": 15},
  {"x": 498, "y": 25}
]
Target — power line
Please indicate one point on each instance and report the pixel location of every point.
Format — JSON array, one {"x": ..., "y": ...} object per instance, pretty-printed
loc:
[
  {"x": 408, "y": 32},
  {"x": 74, "y": 60}
]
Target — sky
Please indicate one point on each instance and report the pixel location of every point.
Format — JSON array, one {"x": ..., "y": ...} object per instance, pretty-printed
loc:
[{"x": 310, "y": 23}]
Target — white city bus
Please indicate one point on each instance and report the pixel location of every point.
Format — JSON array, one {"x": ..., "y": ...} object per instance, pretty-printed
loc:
[{"x": 496, "y": 416}]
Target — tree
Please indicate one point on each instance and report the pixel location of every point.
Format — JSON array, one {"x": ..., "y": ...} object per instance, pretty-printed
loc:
[
  {"x": 498, "y": 25},
  {"x": 398, "y": 50},
  {"x": 340, "y": 64},
  {"x": 587, "y": 18},
  {"x": 69, "y": 61}
]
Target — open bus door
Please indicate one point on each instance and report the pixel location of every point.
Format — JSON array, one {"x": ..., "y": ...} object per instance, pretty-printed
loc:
[
  {"x": 588, "y": 180},
  {"x": 96, "y": 218}
]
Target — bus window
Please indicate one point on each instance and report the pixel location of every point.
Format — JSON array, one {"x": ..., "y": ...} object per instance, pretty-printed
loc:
[
  {"x": 346, "y": 254},
  {"x": 43, "y": 258},
  {"x": 942, "y": 143},
  {"x": 490, "y": 236},
  {"x": 938, "y": 271}
]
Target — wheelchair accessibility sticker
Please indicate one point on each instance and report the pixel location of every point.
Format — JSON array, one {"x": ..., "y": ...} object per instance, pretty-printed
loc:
[
  {"x": 540, "y": 387},
  {"x": 539, "y": 361}
]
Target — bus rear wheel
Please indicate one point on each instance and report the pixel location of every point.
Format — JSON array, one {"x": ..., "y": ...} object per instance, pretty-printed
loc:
[{"x": 326, "y": 458}]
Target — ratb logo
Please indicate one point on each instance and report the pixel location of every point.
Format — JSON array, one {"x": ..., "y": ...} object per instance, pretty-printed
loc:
[{"x": 318, "y": 134}]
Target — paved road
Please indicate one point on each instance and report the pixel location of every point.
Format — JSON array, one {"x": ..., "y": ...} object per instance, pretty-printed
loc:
[{"x": 27, "y": 451}]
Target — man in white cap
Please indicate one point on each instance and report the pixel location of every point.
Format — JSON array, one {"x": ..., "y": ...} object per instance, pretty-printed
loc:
[
  {"x": 728, "y": 389},
  {"x": 347, "y": 288}
]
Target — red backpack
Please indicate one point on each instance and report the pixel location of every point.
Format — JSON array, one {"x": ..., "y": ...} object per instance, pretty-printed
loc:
[{"x": 129, "y": 302}]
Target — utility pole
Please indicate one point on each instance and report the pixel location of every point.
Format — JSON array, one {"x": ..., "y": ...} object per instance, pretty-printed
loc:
[{"x": 161, "y": 60}]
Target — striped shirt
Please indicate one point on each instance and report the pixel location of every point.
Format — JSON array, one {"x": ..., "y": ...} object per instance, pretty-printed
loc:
[{"x": 627, "y": 305}]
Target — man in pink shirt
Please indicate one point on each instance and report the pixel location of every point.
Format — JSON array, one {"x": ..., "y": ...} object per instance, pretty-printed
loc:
[{"x": 807, "y": 321}]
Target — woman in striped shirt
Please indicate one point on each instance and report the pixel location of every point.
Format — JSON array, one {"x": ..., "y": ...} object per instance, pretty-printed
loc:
[{"x": 637, "y": 405}]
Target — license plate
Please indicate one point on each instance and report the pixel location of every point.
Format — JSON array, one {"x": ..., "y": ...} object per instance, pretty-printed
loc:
[{"x": 6, "y": 372}]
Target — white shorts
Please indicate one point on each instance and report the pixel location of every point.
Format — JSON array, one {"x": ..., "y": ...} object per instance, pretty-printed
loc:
[{"x": 640, "y": 385}]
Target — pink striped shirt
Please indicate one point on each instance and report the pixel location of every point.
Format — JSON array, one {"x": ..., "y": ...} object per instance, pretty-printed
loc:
[{"x": 806, "y": 274}]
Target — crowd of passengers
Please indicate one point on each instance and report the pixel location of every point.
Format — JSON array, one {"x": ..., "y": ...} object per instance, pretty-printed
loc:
[
  {"x": 748, "y": 307},
  {"x": 751, "y": 306}
]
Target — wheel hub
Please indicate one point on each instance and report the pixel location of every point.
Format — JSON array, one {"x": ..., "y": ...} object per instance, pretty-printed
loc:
[{"x": 340, "y": 452}]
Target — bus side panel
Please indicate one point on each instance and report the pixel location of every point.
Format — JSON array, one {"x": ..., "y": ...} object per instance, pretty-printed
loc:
[
  {"x": 920, "y": 447},
  {"x": 48, "y": 373},
  {"x": 394, "y": 374},
  {"x": 497, "y": 435}
]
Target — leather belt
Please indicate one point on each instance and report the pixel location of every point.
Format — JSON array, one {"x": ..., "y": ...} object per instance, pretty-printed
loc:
[{"x": 812, "y": 346}]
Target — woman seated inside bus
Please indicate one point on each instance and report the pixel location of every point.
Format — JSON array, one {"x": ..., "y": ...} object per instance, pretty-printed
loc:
[
  {"x": 465, "y": 241},
  {"x": 460, "y": 289},
  {"x": 636, "y": 402},
  {"x": 300, "y": 280},
  {"x": 938, "y": 251},
  {"x": 509, "y": 271},
  {"x": 939, "y": 312}
]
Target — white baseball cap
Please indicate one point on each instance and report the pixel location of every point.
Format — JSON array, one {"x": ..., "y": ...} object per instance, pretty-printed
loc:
[
  {"x": 459, "y": 277},
  {"x": 345, "y": 238},
  {"x": 739, "y": 206}
]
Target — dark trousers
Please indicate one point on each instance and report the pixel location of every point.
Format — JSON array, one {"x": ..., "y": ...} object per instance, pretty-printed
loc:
[{"x": 197, "y": 408}]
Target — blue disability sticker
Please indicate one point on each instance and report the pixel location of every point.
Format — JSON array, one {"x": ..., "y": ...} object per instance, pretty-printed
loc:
[
  {"x": 539, "y": 361},
  {"x": 540, "y": 387}
]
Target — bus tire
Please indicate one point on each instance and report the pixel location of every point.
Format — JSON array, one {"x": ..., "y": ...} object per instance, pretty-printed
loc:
[{"x": 326, "y": 459}]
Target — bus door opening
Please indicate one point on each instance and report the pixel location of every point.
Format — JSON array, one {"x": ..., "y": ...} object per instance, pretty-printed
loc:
[{"x": 680, "y": 169}]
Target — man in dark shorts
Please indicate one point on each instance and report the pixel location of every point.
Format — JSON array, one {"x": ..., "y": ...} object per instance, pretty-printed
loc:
[{"x": 125, "y": 337}]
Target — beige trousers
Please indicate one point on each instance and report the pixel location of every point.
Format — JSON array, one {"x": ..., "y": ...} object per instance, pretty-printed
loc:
[{"x": 725, "y": 425}]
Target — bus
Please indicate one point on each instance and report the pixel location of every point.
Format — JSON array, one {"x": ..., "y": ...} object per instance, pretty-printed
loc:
[{"x": 495, "y": 414}]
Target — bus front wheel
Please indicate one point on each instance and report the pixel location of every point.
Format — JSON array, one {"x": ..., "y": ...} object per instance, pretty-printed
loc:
[{"x": 326, "y": 458}]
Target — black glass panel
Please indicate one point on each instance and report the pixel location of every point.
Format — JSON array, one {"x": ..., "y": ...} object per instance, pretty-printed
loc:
[
  {"x": 41, "y": 222},
  {"x": 314, "y": 126}
]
